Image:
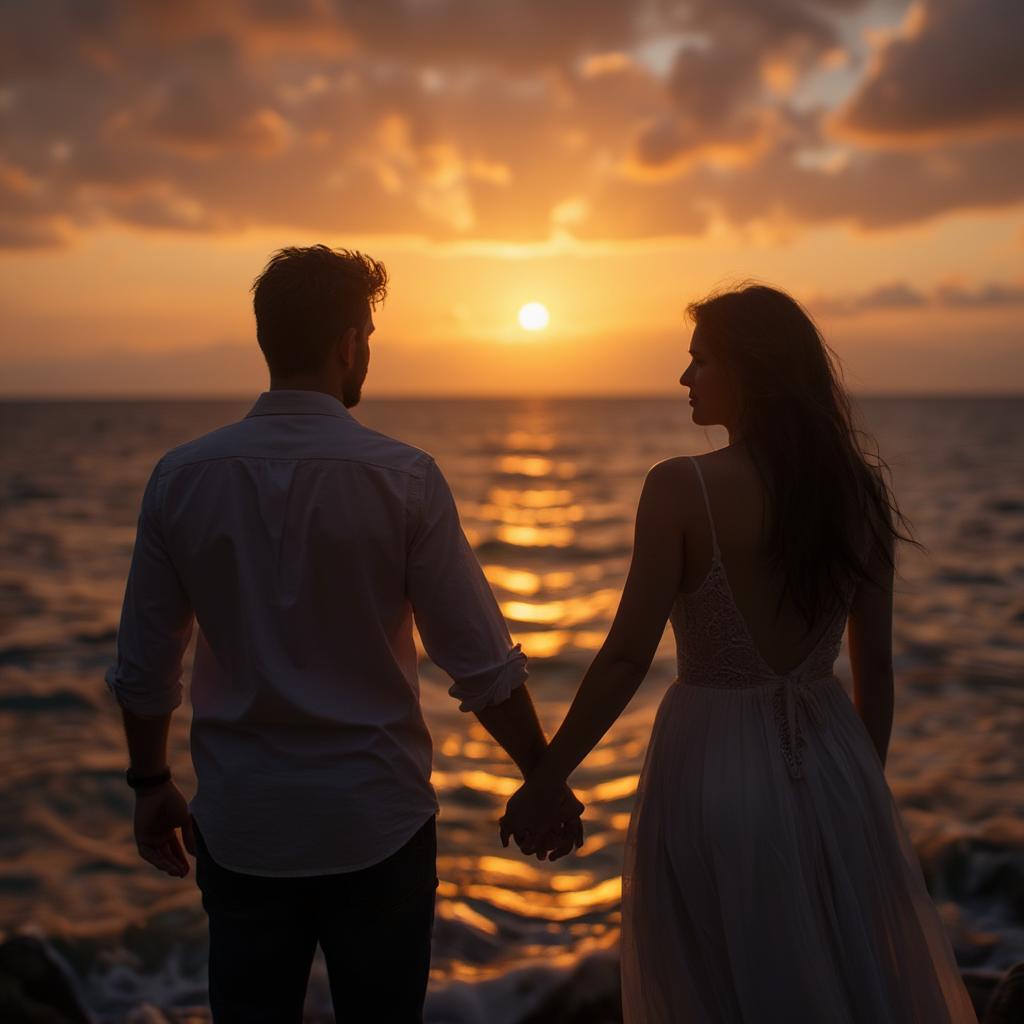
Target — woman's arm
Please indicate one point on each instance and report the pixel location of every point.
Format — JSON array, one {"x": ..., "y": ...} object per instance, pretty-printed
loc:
[
  {"x": 869, "y": 636},
  {"x": 652, "y": 584}
]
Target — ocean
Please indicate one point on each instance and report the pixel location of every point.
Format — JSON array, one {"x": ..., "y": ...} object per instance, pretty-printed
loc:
[{"x": 547, "y": 490}]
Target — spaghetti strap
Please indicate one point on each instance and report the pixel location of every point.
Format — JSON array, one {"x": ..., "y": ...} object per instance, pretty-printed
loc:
[{"x": 707, "y": 505}]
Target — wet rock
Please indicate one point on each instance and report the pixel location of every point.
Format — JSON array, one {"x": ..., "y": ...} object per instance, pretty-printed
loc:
[
  {"x": 980, "y": 985},
  {"x": 1006, "y": 1004},
  {"x": 971, "y": 945},
  {"x": 146, "y": 1014},
  {"x": 591, "y": 994},
  {"x": 988, "y": 867},
  {"x": 33, "y": 986}
]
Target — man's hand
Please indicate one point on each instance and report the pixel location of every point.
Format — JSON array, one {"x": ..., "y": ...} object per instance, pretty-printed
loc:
[
  {"x": 159, "y": 812},
  {"x": 544, "y": 819}
]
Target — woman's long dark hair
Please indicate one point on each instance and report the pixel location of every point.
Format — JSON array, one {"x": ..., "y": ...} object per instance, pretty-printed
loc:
[{"x": 830, "y": 507}]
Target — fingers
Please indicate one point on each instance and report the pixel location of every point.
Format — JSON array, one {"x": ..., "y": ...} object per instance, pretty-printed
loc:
[
  {"x": 163, "y": 851},
  {"x": 165, "y": 856},
  {"x": 189, "y": 837},
  {"x": 556, "y": 842},
  {"x": 541, "y": 845},
  {"x": 571, "y": 805},
  {"x": 569, "y": 837},
  {"x": 526, "y": 841},
  {"x": 576, "y": 828},
  {"x": 565, "y": 846}
]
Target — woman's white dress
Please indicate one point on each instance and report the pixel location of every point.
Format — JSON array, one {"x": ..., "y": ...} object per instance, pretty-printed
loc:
[{"x": 768, "y": 876}]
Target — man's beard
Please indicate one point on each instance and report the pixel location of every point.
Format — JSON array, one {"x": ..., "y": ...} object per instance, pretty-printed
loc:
[{"x": 352, "y": 391}]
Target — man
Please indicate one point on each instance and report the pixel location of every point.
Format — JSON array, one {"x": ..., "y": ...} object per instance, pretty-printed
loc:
[{"x": 303, "y": 544}]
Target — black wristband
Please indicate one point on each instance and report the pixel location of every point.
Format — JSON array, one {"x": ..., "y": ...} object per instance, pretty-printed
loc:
[{"x": 147, "y": 781}]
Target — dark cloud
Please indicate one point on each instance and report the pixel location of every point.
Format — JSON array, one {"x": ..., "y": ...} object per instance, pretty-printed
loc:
[
  {"x": 958, "y": 70},
  {"x": 443, "y": 118},
  {"x": 524, "y": 34},
  {"x": 899, "y": 295},
  {"x": 990, "y": 296},
  {"x": 869, "y": 190}
]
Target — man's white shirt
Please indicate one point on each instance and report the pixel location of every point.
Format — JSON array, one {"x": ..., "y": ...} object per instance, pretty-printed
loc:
[{"x": 303, "y": 544}]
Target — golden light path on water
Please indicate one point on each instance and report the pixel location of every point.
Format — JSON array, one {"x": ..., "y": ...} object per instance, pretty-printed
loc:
[{"x": 541, "y": 534}]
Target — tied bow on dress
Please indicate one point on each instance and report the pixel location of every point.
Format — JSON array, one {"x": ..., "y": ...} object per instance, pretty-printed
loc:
[{"x": 795, "y": 698}]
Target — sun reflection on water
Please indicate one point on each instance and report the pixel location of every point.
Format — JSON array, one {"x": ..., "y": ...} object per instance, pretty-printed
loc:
[
  {"x": 536, "y": 536},
  {"x": 556, "y": 516},
  {"x": 522, "y": 581},
  {"x": 552, "y": 906},
  {"x": 524, "y": 440},
  {"x": 526, "y": 465},
  {"x": 456, "y": 910},
  {"x": 569, "y": 612},
  {"x": 613, "y": 789},
  {"x": 530, "y": 498},
  {"x": 558, "y": 604},
  {"x": 536, "y": 466}
]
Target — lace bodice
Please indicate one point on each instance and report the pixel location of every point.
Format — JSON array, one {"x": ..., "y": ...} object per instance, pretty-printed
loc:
[{"x": 715, "y": 648}]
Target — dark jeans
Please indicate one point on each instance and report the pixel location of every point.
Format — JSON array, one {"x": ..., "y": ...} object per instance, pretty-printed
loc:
[{"x": 373, "y": 925}]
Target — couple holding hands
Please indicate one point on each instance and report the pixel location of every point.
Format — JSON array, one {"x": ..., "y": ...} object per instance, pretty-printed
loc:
[{"x": 767, "y": 874}]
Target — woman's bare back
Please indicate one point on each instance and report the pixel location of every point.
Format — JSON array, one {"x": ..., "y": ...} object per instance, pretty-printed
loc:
[{"x": 737, "y": 499}]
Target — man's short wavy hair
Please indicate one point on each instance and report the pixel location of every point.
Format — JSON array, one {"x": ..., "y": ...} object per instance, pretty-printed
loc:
[{"x": 306, "y": 298}]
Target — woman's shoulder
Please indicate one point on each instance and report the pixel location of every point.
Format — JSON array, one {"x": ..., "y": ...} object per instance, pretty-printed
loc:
[
  {"x": 670, "y": 473},
  {"x": 673, "y": 484}
]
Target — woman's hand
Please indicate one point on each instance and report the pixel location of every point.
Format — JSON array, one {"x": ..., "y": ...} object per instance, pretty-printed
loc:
[{"x": 544, "y": 819}]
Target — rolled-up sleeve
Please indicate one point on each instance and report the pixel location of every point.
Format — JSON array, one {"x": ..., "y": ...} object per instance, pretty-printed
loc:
[
  {"x": 156, "y": 621},
  {"x": 459, "y": 621}
]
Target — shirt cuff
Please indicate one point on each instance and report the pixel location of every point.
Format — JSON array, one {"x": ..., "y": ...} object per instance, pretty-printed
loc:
[
  {"x": 492, "y": 686},
  {"x": 145, "y": 704}
]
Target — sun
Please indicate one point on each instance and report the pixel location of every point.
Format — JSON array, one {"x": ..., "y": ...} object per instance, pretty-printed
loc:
[{"x": 534, "y": 316}]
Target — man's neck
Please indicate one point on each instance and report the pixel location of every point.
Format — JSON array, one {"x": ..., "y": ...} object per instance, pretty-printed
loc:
[{"x": 306, "y": 384}]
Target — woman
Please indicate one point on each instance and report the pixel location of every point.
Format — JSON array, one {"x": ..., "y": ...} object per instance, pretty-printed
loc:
[{"x": 767, "y": 874}]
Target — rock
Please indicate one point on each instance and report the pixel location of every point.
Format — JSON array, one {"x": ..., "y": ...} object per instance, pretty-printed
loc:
[
  {"x": 971, "y": 946},
  {"x": 980, "y": 985},
  {"x": 591, "y": 994},
  {"x": 1006, "y": 1005},
  {"x": 976, "y": 867},
  {"x": 33, "y": 986},
  {"x": 146, "y": 1014}
]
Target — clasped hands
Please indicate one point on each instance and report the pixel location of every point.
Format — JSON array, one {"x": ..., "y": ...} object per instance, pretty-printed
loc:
[{"x": 543, "y": 817}]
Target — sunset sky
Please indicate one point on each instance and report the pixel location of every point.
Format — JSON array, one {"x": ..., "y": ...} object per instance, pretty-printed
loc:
[{"x": 611, "y": 159}]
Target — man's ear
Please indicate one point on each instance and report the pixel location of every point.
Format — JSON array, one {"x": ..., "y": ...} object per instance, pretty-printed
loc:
[{"x": 348, "y": 346}]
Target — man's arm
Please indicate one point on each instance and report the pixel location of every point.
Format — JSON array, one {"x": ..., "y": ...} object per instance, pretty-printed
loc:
[
  {"x": 147, "y": 742},
  {"x": 516, "y": 728},
  {"x": 156, "y": 625},
  {"x": 463, "y": 630},
  {"x": 160, "y": 810}
]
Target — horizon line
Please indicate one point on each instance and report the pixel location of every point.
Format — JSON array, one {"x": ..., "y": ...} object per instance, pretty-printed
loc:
[{"x": 184, "y": 396}]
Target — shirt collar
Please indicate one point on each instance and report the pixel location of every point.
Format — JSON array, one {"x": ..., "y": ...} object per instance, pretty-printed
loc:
[{"x": 286, "y": 402}]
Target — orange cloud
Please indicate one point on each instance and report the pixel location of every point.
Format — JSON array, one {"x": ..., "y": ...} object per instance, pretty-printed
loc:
[{"x": 458, "y": 119}]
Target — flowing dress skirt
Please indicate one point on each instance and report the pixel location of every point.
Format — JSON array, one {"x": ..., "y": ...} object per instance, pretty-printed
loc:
[{"x": 750, "y": 896}]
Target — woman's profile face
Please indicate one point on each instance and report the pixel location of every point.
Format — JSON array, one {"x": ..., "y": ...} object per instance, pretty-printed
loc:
[{"x": 713, "y": 399}]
